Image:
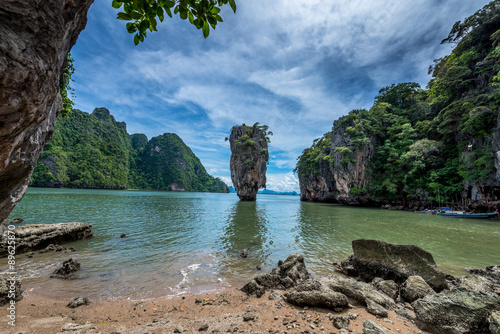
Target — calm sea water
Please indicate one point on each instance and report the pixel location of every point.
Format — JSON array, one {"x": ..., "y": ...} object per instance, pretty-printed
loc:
[{"x": 189, "y": 242}]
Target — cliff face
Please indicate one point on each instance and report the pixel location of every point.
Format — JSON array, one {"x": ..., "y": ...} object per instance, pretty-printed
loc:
[
  {"x": 35, "y": 37},
  {"x": 249, "y": 156},
  {"x": 166, "y": 163},
  {"x": 342, "y": 167}
]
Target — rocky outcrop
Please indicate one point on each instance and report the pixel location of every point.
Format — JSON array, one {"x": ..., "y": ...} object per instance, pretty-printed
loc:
[
  {"x": 457, "y": 311},
  {"x": 249, "y": 157},
  {"x": 490, "y": 272},
  {"x": 286, "y": 275},
  {"x": 35, "y": 37},
  {"x": 415, "y": 288},
  {"x": 314, "y": 293},
  {"x": 341, "y": 170},
  {"x": 39, "y": 236},
  {"x": 10, "y": 289},
  {"x": 374, "y": 258}
]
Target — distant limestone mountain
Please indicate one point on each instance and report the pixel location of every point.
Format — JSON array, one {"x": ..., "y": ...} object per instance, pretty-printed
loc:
[{"x": 95, "y": 151}]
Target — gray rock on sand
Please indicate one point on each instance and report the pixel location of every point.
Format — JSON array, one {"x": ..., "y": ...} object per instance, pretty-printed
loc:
[
  {"x": 341, "y": 322},
  {"x": 456, "y": 312},
  {"x": 376, "y": 309},
  {"x": 9, "y": 287},
  {"x": 389, "y": 287},
  {"x": 375, "y": 258},
  {"x": 286, "y": 275},
  {"x": 78, "y": 301},
  {"x": 371, "y": 327},
  {"x": 68, "y": 270},
  {"x": 314, "y": 293},
  {"x": 415, "y": 288}
]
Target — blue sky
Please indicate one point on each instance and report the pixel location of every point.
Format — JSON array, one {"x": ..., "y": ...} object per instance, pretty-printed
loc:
[{"x": 291, "y": 64}]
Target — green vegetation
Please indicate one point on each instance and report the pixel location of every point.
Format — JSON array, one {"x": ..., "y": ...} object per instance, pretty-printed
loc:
[
  {"x": 430, "y": 142},
  {"x": 95, "y": 151},
  {"x": 64, "y": 87},
  {"x": 203, "y": 14}
]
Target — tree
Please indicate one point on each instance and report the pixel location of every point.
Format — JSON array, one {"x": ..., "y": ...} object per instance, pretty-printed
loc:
[{"x": 34, "y": 43}]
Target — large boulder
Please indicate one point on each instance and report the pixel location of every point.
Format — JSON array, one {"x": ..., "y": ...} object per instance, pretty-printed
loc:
[
  {"x": 38, "y": 236},
  {"x": 459, "y": 311},
  {"x": 286, "y": 275},
  {"x": 479, "y": 284},
  {"x": 313, "y": 293},
  {"x": 10, "y": 289},
  {"x": 249, "y": 157},
  {"x": 374, "y": 258},
  {"x": 35, "y": 36},
  {"x": 67, "y": 270},
  {"x": 357, "y": 291},
  {"x": 415, "y": 288}
]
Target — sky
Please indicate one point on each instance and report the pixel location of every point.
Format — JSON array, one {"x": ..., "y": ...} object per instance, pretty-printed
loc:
[{"x": 293, "y": 65}]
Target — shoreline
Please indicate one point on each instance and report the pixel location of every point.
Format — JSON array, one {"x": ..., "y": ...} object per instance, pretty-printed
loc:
[{"x": 229, "y": 310}]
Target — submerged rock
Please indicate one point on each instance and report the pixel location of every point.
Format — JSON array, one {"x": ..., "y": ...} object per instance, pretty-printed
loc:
[
  {"x": 38, "y": 236},
  {"x": 456, "y": 311},
  {"x": 374, "y": 258},
  {"x": 245, "y": 252},
  {"x": 286, "y": 275},
  {"x": 249, "y": 157},
  {"x": 68, "y": 270}
]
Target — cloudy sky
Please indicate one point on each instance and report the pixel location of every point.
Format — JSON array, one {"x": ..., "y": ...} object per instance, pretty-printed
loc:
[{"x": 294, "y": 65}]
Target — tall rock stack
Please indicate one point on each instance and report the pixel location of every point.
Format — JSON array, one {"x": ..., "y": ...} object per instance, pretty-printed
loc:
[{"x": 249, "y": 157}]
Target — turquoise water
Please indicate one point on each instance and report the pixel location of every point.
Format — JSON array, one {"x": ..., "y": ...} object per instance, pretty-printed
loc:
[{"x": 189, "y": 242}]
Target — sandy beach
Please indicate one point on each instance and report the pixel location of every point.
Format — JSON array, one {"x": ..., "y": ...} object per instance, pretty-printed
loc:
[{"x": 224, "y": 311}]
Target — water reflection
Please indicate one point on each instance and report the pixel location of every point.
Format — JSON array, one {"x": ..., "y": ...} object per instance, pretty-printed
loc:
[{"x": 247, "y": 226}]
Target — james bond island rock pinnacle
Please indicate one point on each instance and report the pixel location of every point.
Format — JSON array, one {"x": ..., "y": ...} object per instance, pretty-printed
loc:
[{"x": 249, "y": 157}]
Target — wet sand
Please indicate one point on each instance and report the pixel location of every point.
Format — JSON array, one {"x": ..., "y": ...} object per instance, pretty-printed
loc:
[{"x": 224, "y": 311}]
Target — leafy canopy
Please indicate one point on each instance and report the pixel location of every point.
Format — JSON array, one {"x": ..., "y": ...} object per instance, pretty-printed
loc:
[{"x": 203, "y": 14}]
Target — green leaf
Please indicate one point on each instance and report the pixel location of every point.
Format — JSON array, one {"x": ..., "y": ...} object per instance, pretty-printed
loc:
[
  {"x": 233, "y": 5},
  {"x": 206, "y": 29},
  {"x": 183, "y": 15},
  {"x": 176, "y": 10},
  {"x": 136, "y": 39},
  {"x": 191, "y": 17},
  {"x": 136, "y": 15},
  {"x": 169, "y": 12},
  {"x": 116, "y": 4},
  {"x": 123, "y": 16},
  {"x": 131, "y": 27}
]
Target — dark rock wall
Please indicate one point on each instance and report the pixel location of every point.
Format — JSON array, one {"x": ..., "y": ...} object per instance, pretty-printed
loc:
[{"x": 35, "y": 36}]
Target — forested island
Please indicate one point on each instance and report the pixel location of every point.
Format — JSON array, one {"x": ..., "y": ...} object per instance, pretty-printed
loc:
[
  {"x": 415, "y": 146},
  {"x": 95, "y": 151}
]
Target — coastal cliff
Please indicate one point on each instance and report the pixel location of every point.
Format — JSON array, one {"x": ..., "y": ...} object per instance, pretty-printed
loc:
[
  {"x": 94, "y": 151},
  {"x": 249, "y": 157},
  {"x": 415, "y": 148}
]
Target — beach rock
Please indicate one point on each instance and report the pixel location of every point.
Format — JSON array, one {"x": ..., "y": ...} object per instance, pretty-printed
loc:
[
  {"x": 78, "y": 301},
  {"x": 358, "y": 291},
  {"x": 401, "y": 311},
  {"x": 249, "y": 317},
  {"x": 203, "y": 328},
  {"x": 178, "y": 329},
  {"x": 491, "y": 272},
  {"x": 376, "y": 309},
  {"x": 286, "y": 275},
  {"x": 494, "y": 321},
  {"x": 341, "y": 322},
  {"x": 10, "y": 287},
  {"x": 275, "y": 296},
  {"x": 314, "y": 293},
  {"x": 56, "y": 248},
  {"x": 123, "y": 235},
  {"x": 248, "y": 164},
  {"x": 389, "y": 287},
  {"x": 67, "y": 271},
  {"x": 371, "y": 327},
  {"x": 414, "y": 288},
  {"x": 479, "y": 284},
  {"x": 35, "y": 38},
  {"x": 374, "y": 258},
  {"x": 38, "y": 236},
  {"x": 456, "y": 311},
  {"x": 245, "y": 252},
  {"x": 69, "y": 327}
]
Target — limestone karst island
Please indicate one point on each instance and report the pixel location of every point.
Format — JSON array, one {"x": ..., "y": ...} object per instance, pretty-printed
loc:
[{"x": 228, "y": 166}]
